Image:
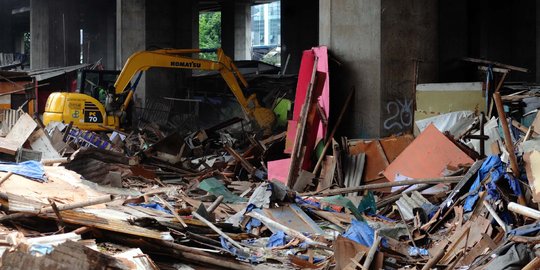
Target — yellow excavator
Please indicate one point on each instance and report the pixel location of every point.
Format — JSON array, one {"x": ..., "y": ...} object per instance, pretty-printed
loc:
[{"x": 87, "y": 113}]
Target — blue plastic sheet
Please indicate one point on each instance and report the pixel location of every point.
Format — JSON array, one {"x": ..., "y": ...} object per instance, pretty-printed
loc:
[
  {"x": 415, "y": 251},
  {"x": 155, "y": 206},
  {"x": 530, "y": 229},
  {"x": 31, "y": 169},
  {"x": 241, "y": 255},
  {"x": 495, "y": 165},
  {"x": 277, "y": 239},
  {"x": 253, "y": 222},
  {"x": 360, "y": 232},
  {"x": 41, "y": 249},
  {"x": 301, "y": 202}
]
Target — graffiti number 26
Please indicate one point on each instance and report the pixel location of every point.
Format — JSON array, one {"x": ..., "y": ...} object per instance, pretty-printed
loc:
[{"x": 400, "y": 112}]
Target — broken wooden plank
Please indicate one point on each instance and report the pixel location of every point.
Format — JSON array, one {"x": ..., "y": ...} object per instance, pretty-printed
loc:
[
  {"x": 506, "y": 131},
  {"x": 22, "y": 130},
  {"x": 40, "y": 142},
  {"x": 294, "y": 233},
  {"x": 327, "y": 173},
  {"x": 337, "y": 191},
  {"x": 245, "y": 164},
  {"x": 218, "y": 231},
  {"x": 173, "y": 211}
]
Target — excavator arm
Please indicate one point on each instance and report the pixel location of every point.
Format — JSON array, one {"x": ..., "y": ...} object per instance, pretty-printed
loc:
[{"x": 174, "y": 58}]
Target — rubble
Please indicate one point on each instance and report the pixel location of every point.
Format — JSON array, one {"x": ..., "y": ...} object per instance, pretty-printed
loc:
[{"x": 461, "y": 194}]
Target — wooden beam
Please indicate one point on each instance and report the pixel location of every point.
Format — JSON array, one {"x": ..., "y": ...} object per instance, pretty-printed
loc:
[{"x": 337, "y": 191}]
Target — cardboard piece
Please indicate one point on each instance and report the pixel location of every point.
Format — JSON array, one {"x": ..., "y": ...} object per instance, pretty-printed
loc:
[{"x": 427, "y": 157}]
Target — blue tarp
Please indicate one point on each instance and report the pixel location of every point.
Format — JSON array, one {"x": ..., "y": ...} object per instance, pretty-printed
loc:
[
  {"x": 497, "y": 168},
  {"x": 277, "y": 239},
  {"x": 31, "y": 169},
  {"x": 241, "y": 255},
  {"x": 361, "y": 233},
  {"x": 155, "y": 206},
  {"x": 530, "y": 229},
  {"x": 415, "y": 251}
]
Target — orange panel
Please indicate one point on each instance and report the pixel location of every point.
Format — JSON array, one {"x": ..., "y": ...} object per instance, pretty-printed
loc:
[{"x": 427, "y": 156}]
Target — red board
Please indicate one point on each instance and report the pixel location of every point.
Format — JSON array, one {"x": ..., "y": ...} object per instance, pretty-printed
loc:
[{"x": 304, "y": 77}]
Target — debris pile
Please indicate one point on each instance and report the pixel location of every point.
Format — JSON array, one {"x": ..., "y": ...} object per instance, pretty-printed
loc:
[{"x": 462, "y": 193}]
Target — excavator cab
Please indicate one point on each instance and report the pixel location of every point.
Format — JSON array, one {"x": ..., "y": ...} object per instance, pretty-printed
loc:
[{"x": 97, "y": 83}]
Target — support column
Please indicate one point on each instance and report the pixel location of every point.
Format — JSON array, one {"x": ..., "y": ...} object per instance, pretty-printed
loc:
[
  {"x": 175, "y": 26},
  {"x": 39, "y": 31},
  {"x": 7, "y": 44},
  {"x": 377, "y": 50},
  {"x": 143, "y": 25},
  {"x": 236, "y": 29},
  {"x": 99, "y": 28},
  {"x": 299, "y": 31},
  {"x": 54, "y": 30},
  {"x": 352, "y": 31},
  {"x": 537, "y": 41},
  {"x": 408, "y": 38},
  {"x": 131, "y": 37}
]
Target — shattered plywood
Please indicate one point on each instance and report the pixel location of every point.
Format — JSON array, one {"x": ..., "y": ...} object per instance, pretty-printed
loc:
[
  {"x": 18, "y": 135},
  {"x": 40, "y": 142},
  {"x": 22, "y": 129},
  {"x": 67, "y": 256},
  {"x": 62, "y": 185},
  {"x": 379, "y": 154}
]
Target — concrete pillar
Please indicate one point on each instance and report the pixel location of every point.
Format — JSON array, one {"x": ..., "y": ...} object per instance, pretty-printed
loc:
[
  {"x": 236, "y": 29},
  {"x": 537, "y": 41},
  {"x": 99, "y": 32},
  {"x": 299, "y": 31},
  {"x": 378, "y": 41},
  {"x": 408, "y": 38},
  {"x": 143, "y": 25},
  {"x": 454, "y": 41},
  {"x": 175, "y": 26},
  {"x": 54, "y": 30},
  {"x": 7, "y": 44},
  {"x": 131, "y": 37}
]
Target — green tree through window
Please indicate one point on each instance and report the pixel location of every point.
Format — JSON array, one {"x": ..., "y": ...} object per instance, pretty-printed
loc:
[{"x": 209, "y": 33}]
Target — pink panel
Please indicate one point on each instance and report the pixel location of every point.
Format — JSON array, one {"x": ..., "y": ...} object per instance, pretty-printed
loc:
[
  {"x": 324, "y": 99},
  {"x": 279, "y": 169}
]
